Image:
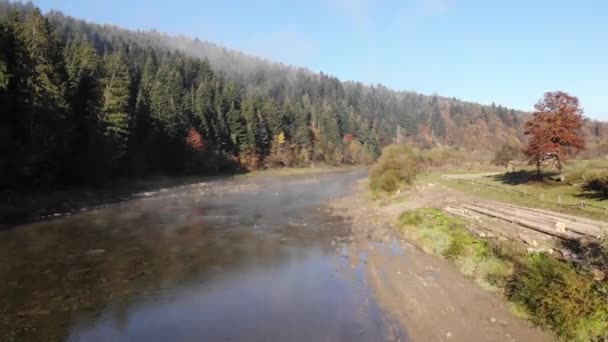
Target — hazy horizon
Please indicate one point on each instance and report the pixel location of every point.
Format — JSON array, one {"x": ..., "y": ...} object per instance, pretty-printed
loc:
[{"x": 508, "y": 54}]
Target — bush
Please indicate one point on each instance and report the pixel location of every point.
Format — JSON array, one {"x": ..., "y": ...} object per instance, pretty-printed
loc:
[
  {"x": 396, "y": 168},
  {"x": 561, "y": 297}
]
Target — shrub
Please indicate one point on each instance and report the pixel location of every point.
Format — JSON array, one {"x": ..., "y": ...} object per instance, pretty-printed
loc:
[
  {"x": 561, "y": 297},
  {"x": 396, "y": 168}
]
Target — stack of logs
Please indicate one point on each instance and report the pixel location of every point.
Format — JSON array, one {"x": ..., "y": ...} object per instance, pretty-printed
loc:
[{"x": 550, "y": 223}]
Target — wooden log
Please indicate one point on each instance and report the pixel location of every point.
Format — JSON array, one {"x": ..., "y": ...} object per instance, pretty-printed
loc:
[
  {"x": 571, "y": 236},
  {"x": 599, "y": 224},
  {"x": 545, "y": 220}
]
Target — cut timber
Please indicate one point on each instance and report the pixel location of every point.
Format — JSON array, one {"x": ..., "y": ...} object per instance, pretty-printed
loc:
[
  {"x": 547, "y": 221},
  {"x": 568, "y": 235},
  {"x": 493, "y": 227},
  {"x": 583, "y": 220}
]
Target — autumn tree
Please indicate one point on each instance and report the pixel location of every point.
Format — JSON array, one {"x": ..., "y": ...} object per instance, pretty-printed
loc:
[
  {"x": 555, "y": 130},
  {"x": 194, "y": 140}
]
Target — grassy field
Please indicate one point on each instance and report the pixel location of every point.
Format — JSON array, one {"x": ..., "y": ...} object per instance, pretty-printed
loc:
[{"x": 523, "y": 188}]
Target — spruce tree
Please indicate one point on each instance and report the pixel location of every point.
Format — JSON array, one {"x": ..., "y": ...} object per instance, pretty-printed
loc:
[
  {"x": 165, "y": 102},
  {"x": 114, "y": 116}
]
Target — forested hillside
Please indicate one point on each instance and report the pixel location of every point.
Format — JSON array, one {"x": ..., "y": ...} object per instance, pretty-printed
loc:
[{"x": 83, "y": 102}]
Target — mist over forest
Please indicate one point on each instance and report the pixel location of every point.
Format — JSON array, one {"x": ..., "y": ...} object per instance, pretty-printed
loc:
[{"x": 84, "y": 103}]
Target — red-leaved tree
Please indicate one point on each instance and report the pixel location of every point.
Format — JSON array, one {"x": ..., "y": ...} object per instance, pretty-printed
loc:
[
  {"x": 194, "y": 140},
  {"x": 555, "y": 130}
]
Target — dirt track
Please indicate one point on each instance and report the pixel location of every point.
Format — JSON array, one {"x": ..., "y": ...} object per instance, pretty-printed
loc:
[{"x": 426, "y": 294}]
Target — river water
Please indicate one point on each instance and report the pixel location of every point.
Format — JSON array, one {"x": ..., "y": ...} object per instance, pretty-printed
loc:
[{"x": 243, "y": 259}]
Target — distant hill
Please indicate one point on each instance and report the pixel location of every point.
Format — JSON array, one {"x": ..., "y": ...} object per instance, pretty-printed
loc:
[{"x": 88, "y": 102}]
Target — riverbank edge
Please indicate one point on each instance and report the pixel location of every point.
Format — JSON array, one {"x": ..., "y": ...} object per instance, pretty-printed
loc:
[{"x": 555, "y": 295}]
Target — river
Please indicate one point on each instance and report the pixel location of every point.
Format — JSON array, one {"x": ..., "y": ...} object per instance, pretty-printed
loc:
[{"x": 242, "y": 259}]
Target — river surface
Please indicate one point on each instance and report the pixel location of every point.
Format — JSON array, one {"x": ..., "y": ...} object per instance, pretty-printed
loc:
[{"x": 245, "y": 259}]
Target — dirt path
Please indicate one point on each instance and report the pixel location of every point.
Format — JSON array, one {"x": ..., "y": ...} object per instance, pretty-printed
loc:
[{"x": 427, "y": 295}]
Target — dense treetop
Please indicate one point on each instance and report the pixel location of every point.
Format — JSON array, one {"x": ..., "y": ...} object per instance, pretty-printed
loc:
[{"x": 83, "y": 102}]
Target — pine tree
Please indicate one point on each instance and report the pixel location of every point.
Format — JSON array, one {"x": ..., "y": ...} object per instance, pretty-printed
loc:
[
  {"x": 3, "y": 75},
  {"x": 222, "y": 106},
  {"x": 436, "y": 121},
  {"x": 40, "y": 82},
  {"x": 84, "y": 69},
  {"x": 4, "y": 46},
  {"x": 204, "y": 112},
  {"x": 302, "y": 122},
  {"x": 114, "y": 116},
  {"x": 141, "y": 122},
  {"x": 166, "y": 94},
  {"x": 237, "y": 125}
]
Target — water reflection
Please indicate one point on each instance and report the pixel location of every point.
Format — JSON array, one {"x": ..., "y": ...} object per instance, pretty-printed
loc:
[{"x": 247, "y": 259}]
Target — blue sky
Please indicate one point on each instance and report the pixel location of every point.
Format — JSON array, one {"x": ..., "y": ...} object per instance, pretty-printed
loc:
[{"x": 509, "y": 52}]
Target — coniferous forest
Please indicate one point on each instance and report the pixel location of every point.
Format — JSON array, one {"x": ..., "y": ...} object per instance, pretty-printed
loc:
[{"x": 83, "y": 103}]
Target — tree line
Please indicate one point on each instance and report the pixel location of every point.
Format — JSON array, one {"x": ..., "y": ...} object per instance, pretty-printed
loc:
[
  {"x": 86, "y": 102},
  {"x": 74, "y": 113}
]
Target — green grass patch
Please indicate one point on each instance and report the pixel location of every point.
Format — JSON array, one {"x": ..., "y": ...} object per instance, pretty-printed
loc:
[
  {"x": 551, "y": 293},
  {"x": 493, "y": 188},
  {"x": 392, "y": 199},
  {"x": 440, "y": 234}
]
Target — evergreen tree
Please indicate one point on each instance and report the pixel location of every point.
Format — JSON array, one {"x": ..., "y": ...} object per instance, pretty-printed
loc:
[
  {"x": 3, "y": 75},
  {"x": 222, "y": 106},
  {"x": 166, "y": 94},
  {"x": 141, "y": 123},
  {"x": 40, "y": 82},
  {"x": 122, "y": 101},
  {"x": 84, "y": 71},
  {"x": 114, "y": 116},
  {"x": 204, "y": 112}
]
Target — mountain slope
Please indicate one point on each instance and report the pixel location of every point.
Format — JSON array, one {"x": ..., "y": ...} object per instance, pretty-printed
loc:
[
  {"x": 86, "y": 102},
  {"x": 427, "y": 120}
]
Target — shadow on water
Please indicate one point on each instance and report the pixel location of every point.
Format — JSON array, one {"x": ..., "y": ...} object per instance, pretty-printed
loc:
[
  {"x": 26, "y": 206},
  {"x": 249, "y": 259}
]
